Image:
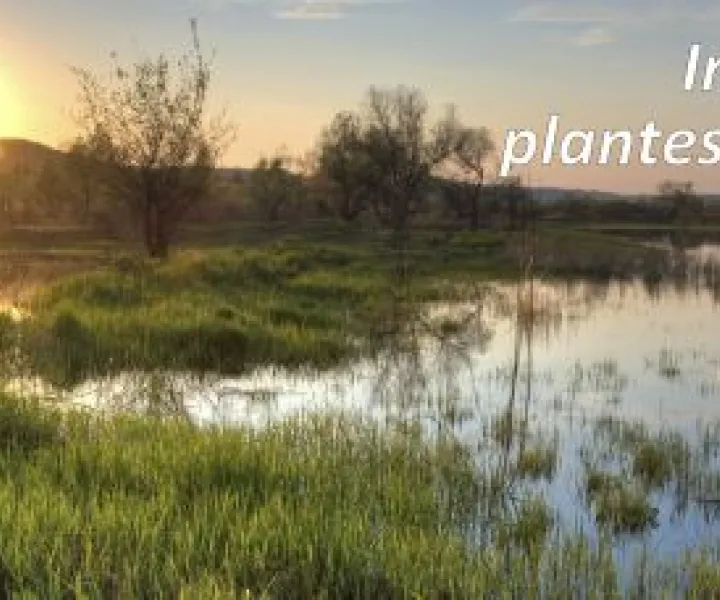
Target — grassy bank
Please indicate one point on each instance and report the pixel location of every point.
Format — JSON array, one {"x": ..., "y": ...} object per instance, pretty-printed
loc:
[
  {"x": 323, "y": 507},
  {"x": 314, "y": 298}
]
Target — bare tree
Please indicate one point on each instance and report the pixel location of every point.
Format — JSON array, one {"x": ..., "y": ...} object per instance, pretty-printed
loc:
[
  {"x": 147, "y": 126},
  {"x": 472, "y": 149}
]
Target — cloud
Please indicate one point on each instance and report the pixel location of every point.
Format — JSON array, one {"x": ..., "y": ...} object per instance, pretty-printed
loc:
[
  {"x": 301, "y": 9},
  {"x": 598, "y": 24},
  {"x": 318, "y": 11},
  {"x": 559, "y": 12},
  {"x": 325, "y": 9},
  {"x": 594, "y": 36}
]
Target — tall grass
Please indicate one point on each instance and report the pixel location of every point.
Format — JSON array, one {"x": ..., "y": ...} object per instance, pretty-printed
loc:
[
  {"x": 312, "y": 299},
  {"x": 314, "y": 507},
  {"x": 222, "y": 310}
]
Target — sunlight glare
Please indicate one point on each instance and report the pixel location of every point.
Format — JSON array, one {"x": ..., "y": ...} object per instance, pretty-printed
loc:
[{"x": 10, "y": 113}]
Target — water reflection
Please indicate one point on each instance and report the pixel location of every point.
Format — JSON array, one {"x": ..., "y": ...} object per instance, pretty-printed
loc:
[{"x": 526, "y": 375}]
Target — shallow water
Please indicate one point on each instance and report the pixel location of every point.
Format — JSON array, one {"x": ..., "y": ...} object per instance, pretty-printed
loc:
[
  {"x": 595, "y": 349},
  {"x": 630, "y": 350}
]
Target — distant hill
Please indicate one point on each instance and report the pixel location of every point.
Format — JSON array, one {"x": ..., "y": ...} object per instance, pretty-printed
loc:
[
  {"x": 29, "y": 156},
  {"x": 26, "y": 155}
]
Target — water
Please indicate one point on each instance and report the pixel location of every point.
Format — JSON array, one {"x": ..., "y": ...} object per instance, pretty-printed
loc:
[
  {"x": 595, "y": 349},
  {"x": 633, "y": 351}
]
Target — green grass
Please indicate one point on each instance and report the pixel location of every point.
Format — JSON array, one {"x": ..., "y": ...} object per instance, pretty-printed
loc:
[
  {"x": 313, "y": 507},
  {"x": 619, "y": 504},
  {"x": 313, "y": 296},
  {"x": 228, "y": 310},
  {"x": 325, "y": 507},
  {"x": 538, "y": 461},
  {"x": 655, "y": 459}
]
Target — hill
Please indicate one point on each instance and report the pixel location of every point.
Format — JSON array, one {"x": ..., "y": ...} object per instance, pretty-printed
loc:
[{"x": 27, "y": 156}]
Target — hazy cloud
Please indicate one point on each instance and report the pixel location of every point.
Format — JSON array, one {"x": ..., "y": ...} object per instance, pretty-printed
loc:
[
  {"x": 325, "y": 9},
  {"x": 596, "y": 24},
  {"x": 560, "y": 12},
  {"x": 302, "y": 9},
  {"x": 313, "y": 11},
  {"x": 594, "y": 36}
]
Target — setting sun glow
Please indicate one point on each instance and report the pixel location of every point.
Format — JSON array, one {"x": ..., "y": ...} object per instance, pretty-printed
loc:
[{"x": 10, "y": 112}]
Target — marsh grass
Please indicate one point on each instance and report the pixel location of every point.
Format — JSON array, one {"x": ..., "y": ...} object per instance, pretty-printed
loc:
[
  {"x": 619, "y": 504},
  {"x": 655, "y": 459},
  {"x": 538, "y": 461},
  {"x": 307, "y": 298},
  {"x": 316, "y": 507},
  {"x": 221, "y": 310},
  {"x": 313, "y": 507},
  {"x": 628, "y": 465}
]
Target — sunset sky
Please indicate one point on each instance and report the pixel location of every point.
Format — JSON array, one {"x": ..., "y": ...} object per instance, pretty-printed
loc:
[{"x": 284, "y": 67}]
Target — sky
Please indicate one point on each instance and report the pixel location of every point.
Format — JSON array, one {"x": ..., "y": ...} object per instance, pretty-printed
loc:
[{"x": 284, "y": 67}]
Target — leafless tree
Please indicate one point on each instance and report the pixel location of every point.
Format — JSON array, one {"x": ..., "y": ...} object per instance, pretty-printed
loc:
[
  {"x": 472, "y": 149},
  {"x": 148, "y": 129}
]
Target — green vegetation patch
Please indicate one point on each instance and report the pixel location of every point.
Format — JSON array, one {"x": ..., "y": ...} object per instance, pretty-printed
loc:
[
  {"x": 620, "y": 504},
  {"x": 225, "y": 310}
]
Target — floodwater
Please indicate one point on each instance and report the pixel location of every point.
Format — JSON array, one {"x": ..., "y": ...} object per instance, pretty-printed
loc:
[
  {"x": 635, "y": 351},
  {"x": 595, "y": 350}
]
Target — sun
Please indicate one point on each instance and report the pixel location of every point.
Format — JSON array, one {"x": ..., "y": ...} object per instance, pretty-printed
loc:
[{"x": 10, "y": 110}]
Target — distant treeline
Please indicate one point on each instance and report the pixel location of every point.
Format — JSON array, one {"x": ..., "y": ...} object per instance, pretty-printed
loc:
[{"x": 43, "y": 186}]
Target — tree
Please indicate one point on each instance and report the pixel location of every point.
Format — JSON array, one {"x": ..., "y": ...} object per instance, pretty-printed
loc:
[
  {"x": 318, "y": 191},
  {"x": 401, "y": 152},
  {"x": 272, "y": 187},
  {"x": 147, "y": 127},
  {"x": 54, "y": 194},
  {"x": 471, "y": 150},
  {"x": 516, "y": 201},
  {"x": 82, "y": 164},
  {"x": 343, "y": 162},
  {"x": 680, "y": 200},
  {"x": 383, "y": 156}
]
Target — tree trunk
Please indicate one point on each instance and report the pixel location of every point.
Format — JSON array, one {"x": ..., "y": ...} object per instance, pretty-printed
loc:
[
  {"x": 475, "y": 202},
  {"x": 162, "y": 238},
  {"x": 86, "y": 207},
  {"x": 475, "y": 211},
  {"x": 156, "y": 242}
]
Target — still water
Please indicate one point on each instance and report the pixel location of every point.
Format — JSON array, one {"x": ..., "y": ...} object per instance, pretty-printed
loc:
[
  {"x": 634, "y": 351},
  {"x": 595, "y": 349}
]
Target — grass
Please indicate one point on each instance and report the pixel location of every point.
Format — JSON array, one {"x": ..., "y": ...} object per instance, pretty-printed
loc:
[
  {"x": 313, "y": 507},
  {"x": 654, "y": 459},
  {"x": 325, "y": 507},
  {"x": 227, "y": 310},
  {"x": 538, "y": 461},
  {"x": 620, "y": 504},
  {"x": 243, "y": 296},
  {"x": 627, "y": 464}
]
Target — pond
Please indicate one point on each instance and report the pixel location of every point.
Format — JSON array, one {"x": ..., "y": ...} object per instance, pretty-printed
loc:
[{"x": 594, "y": 375}]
